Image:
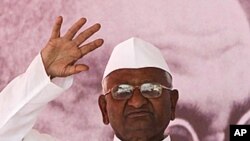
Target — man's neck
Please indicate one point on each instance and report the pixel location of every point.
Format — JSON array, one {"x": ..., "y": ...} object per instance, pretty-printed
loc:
[{"x": 167, "y": 138}]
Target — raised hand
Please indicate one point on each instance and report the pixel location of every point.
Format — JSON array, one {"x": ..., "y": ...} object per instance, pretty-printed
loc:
[{"x": 61, "y": 53}]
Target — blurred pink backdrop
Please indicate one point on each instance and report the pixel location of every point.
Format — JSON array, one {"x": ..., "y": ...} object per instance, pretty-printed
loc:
[{"x": 206, "y": 44}]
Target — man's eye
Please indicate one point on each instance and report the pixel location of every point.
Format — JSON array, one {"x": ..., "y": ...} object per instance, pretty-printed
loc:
[
  {"x": 157, "y": 88},
  {"x": 150, "y": 87},
  {"x": 123, "y": 91},
  {"x": 147, "y": 89},
  {"x": 122, "y": 94}
]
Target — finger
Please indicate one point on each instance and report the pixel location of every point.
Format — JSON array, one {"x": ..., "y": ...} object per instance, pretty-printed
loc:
[
  {"x": 56, "y": 28},
  {"x": 83, "y": 36},
  {"x": 75, "y": 69},
  {"x": 85, "y": 49},
  {"x": 74, "y": 29}
]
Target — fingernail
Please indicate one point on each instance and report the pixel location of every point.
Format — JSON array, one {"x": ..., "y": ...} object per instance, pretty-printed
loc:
[
  {"x": 83, "y": 20},
  {"x": 98, "y": 25},
  {"x": 100, "y": 42},
  {"x": 59, "y": 17}
]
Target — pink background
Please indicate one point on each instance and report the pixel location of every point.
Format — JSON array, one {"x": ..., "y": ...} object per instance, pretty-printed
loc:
[{"x": 206, "y": 44}]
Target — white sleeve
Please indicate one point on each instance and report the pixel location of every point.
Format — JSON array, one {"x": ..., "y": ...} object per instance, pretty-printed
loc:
[
  {"x": 23, "y": 98},
  {"x": 34, "y": 135}
]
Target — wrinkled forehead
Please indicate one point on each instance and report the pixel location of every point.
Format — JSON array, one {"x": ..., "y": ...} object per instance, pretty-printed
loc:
[{"x": 137, "y": 76}]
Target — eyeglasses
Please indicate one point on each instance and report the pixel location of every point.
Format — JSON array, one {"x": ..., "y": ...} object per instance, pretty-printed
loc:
[{"x": 148, "y": 90}]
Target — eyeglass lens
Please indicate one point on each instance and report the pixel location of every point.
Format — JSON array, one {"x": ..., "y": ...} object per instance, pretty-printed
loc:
[{"x": 148, "y": 90}]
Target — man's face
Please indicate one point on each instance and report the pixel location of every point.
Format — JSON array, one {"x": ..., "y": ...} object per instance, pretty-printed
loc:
[{"x": 138, "y": 117}]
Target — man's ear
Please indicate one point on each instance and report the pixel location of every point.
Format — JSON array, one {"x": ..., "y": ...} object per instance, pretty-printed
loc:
[
  {"x": 102, "y": 106},
  {"x": 173, "y": 98}
]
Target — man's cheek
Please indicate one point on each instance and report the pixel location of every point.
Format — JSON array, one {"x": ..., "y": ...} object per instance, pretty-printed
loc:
[
  {"x": 114, "y": 113},
  {"x": 164, "y": 113}
]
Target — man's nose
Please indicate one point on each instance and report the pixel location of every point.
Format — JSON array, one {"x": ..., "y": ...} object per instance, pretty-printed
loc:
[{"x": 137, "y": 100}]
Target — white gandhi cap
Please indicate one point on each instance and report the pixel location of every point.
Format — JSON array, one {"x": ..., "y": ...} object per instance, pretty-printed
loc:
[{"x": 135, "y": 53}]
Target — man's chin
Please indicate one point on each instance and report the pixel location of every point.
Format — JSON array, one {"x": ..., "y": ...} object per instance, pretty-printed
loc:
[
  {"x": 142, "y": 134},
  {"x": 141, "y": 124}
]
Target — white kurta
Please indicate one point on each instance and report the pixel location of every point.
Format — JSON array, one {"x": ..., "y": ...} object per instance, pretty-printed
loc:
[
  {"x": 34, "y": 135},
  {"x": 22, "y": 100},
  {"x": 166, "y": 139}
]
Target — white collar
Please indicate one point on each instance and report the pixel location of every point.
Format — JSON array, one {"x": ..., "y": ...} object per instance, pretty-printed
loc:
[{"x": 166, "y": 139}]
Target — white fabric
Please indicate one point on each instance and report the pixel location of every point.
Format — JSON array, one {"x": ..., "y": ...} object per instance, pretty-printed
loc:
[
  {"x": 166, "y": 139},
  {"x": 22, "y": 100},
  {"x": 34, "y": 135},
  {"x": 135, "y": 53}
]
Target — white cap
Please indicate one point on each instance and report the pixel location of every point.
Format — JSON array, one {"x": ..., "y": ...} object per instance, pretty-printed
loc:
[{"x": 135, "y": 53}]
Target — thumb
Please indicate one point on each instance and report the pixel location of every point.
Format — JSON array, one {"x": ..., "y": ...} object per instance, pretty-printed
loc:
[
  {"x": 81, "y": 67},
  {"x": 77, "y": 68}
]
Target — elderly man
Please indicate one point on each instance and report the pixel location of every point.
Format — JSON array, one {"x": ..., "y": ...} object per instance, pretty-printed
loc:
[{"x": 138, "y": 100}]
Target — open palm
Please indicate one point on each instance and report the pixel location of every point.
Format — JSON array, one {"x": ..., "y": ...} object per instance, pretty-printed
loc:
[{"x": 61, "y": 53}]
